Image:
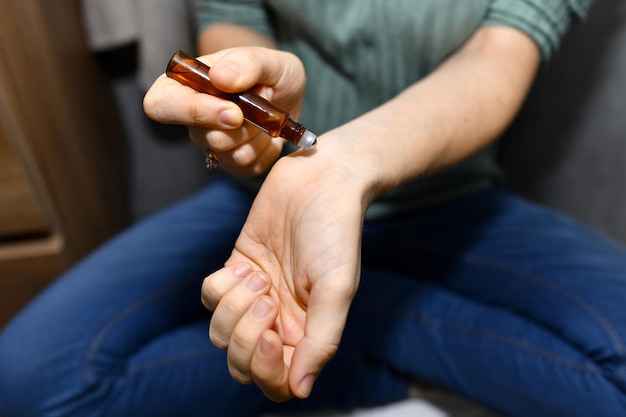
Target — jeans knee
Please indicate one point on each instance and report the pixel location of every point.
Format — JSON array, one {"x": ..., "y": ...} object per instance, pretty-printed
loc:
[
  {"x": 35, "y": 375},
  {"x": 18, "y": 386}
]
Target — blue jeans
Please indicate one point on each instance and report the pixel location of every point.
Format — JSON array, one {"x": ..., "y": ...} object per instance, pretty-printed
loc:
[{"x": 490, "y": 296}]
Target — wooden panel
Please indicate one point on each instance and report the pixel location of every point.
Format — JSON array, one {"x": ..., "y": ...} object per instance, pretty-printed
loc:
[
  {"x": 25, "y": 269},
  {"x": 20, "y": 213},
  {"x": 60, "y": 117},
  {"x": 62, "y": 151}
]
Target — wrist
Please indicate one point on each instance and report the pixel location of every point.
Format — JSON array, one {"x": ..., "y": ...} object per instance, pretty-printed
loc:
[
  {"x": 341, "y": 160},
  {"x": 369, "y": 154}
]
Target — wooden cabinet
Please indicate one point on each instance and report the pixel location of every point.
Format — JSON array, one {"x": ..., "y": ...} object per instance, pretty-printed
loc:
[{"x": 62, "y": 150}]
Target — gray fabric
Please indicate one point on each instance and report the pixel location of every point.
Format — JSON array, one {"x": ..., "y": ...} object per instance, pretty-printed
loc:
[
  {"x": 109, "y": 23},
  {"x": 567, "y": 148},
  {"x": 160, "y": 27}
]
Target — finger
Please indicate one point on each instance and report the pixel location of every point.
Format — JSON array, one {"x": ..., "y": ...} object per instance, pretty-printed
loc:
[
  {"x": 245, "y": 337},
  {"x": 268, "y": 368},
  {"x": 233, "y": 306},
  {"x": 254, "y": 157},
  {"x": 168, "y": 101},
  {"x": 223, "y": 140},
  {"x": 241, "y": 69},
  {"x": 220, "y": 282},
  {"x": 326, "y": 316}
]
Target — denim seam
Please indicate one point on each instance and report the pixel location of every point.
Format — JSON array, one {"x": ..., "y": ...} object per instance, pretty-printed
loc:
[
  {"x": 106, "y": 329},
  {"x": 554, "y": 358},
  {"x": 155, "y": 365},
  {"x": 611, "y": 334},
  {"x": 515, "y": 343},
  {"x": 172, "y": 359},
  {"x": 604, "y": 324}
]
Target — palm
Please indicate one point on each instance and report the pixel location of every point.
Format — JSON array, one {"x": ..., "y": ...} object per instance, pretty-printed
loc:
[{"x": 306, "y": 237}]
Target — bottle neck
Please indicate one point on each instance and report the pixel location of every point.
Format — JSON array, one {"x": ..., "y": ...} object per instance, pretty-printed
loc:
[{"x": 292, "y": 132}]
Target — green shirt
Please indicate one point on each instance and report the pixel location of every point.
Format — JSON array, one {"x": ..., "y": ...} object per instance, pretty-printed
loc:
[{"x": 359, "y": 54}]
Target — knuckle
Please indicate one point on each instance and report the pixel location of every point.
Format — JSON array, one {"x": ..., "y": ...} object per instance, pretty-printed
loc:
[
  {"x": 209, "y": 294},
  {"x": 218, "y": 140},
  {"x": 149, "y": 103},
  {"x": 153, "y": 106},
  {"x": 292, "y": 75},
  {"x": 238, "y": 375},
  {"x": 207, "y": 302},
  {"x": 249, "y": 55},
  {"x": 279, "y": 398},
  {"x": 217, "y": 339},
  {"x": 230, "y": 310},
  {"x": 244, "y": 155},
  {"x": 258, "y": 169},
  {"x": 296, "y": 66},
  {"x": 328, "y": 351},
  {"x": 197, "y": 113},
  {"x": 207, "y": 285},
  {"x": 238, "y": 340},
  {"x": 277, "y": 392}
]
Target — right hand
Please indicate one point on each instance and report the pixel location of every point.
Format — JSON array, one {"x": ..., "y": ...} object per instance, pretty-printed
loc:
[{"x": 241, "y": 148}]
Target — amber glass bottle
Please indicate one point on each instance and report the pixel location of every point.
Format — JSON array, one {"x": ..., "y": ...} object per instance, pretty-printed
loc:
[{"x": 264, "y": 114}]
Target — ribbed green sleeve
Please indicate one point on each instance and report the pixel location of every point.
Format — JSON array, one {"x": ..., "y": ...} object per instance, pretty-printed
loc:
[
  {"x": 248, "y": 13},
  {"x": 545, "y": 21},
  {"x": 359, "y": 54}
]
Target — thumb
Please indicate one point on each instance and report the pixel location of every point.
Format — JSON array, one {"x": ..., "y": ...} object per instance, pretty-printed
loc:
[
  {"x": 325, "y": 322},
  {"x": 240, "y": 69}
]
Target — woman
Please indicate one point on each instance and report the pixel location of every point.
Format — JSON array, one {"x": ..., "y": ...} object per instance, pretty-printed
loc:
[{"x": 387, "y": 255}]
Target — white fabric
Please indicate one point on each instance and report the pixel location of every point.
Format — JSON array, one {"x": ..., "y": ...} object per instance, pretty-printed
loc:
[{"x": 432, "y": 403}]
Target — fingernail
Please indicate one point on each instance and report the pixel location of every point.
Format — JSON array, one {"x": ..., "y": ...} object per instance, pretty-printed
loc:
[
  {"x": 306, "y": 386},
  {"x": 242, "y": 270},
  {"x": 230, "y": 117},
  {"x": 262, "y": 308},
  {"x": 265, "y": 347},
  {"x": 256, "y": 282}
]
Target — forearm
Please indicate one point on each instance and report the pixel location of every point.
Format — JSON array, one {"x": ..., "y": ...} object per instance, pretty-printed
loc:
[
  {"x": 224, "y": 35},
  {"x": 461, "y": 107}
]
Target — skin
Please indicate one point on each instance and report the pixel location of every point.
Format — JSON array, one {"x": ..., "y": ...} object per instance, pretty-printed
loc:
[{"x": 281, "y": 300}]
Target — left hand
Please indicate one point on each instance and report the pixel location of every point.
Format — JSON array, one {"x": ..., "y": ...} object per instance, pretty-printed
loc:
[{"x": 302, "y": 241}]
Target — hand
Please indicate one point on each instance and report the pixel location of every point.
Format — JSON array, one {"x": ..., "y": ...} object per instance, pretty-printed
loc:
[
  {"x": 217, "y": 123},
  {"x": 281, "y": 302},
  {"x": 302, "y": 236}
]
